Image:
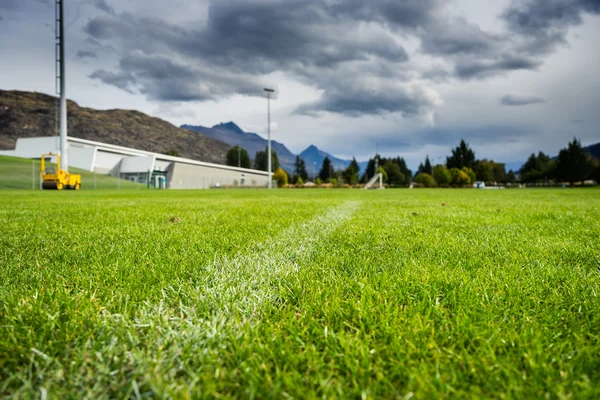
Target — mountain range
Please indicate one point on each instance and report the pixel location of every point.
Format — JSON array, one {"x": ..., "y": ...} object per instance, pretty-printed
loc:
[{"x": 233, "y": 135}]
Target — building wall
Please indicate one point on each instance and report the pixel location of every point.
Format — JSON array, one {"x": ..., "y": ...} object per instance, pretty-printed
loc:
[
  {"x": 137, "y": 164},
  {"x": 81, "y": 157},
  {"x": 187, "y": 176},
  {"x": 108, "y": 162}
]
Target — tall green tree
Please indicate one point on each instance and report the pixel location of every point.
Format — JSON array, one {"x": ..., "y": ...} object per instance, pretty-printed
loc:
[
  {"x": 425, "y": 168},
  {"x": 238, "y": 156},
  {"x": 394, "y": 174},
  {"x": 574, "y": 163},
  {"x": 300, "y": 168},
  {"x": 484, "y": 169},
  {"x": 350, "y": 174},
  {"x": 538, "y": 168},
  {"x": 261, "y": 162},
  {"x": 462, "y": 156},
  {"x": 510, "y": 177},
  {"x": 499, "y": 170},
  {"x": 489, "y": 170},
  {"x": 326, "y": 170},
  {"x": 403, "y": 168}
]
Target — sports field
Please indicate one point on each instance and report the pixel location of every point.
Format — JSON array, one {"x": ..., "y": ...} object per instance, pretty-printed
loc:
[{"x": 300, "y": 294}]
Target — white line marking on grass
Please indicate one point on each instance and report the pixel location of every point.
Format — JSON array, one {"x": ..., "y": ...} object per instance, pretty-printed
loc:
[{"x": 243, "y": 284}]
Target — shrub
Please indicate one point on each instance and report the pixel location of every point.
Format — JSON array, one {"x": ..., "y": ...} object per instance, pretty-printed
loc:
[
  {"x": 299, "y": 181},
  {"x": 333, "y": 182},
  {"x": 318, "y": 181},
  {"x": 425, "y": 180},
  {"x": 281, "y": 177},
  {"x": 459, "y": 178},
  {"x": 441, "y": 175},
  {"x": 469, "y": 172}
]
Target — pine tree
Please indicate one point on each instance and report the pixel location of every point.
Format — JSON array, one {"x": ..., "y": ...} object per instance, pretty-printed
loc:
[
  {"x": 350, "y": 174},
  {"x": 538, "y": 168},
  {"x": 574, "y": 163},
  {"x": 238, "y": 156},
  {"x": 325, "y": 173},
  {"x": 428, "y": 168},
  {"x": 300, "y": 168},
  {"x": 462, "y": 156},
  {"x": 261, "y": 162}
]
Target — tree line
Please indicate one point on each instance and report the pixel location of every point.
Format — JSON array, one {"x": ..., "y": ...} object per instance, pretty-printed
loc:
[{"x": 461, "y": 169}]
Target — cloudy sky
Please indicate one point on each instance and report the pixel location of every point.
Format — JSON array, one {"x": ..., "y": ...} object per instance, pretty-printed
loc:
[{"x": 411, "y": 77}]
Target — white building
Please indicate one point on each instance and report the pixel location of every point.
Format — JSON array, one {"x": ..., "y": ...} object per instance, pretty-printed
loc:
[{"x": 154, "y": 169}]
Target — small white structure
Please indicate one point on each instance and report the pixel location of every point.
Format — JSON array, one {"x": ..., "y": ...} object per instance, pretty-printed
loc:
[
  {"x": 377, "y": 177},
  {"x": 154, "y": 169},
  {"x": 479, "y": 185}
]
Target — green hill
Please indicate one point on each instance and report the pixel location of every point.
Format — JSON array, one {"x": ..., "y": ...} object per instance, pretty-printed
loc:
[{"x": 24, "y": 173}]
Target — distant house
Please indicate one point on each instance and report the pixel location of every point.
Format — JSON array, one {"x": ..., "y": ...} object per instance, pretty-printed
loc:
[{"x": 479, "y": 185}]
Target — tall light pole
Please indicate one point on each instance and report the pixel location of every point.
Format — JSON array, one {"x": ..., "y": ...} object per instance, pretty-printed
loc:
[
  {"x": 269, "y": 91},
  {"x": 239, "y": 156},
  {"x": 63, "y": 94},
  {"x": 376, "y": 159}
]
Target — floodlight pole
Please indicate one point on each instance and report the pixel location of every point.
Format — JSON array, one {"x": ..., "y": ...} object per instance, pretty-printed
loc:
[
  {"x": 64, "y": 165},
  {"x": 376, "y": 159},
  {"x": 269, "y": 91}
]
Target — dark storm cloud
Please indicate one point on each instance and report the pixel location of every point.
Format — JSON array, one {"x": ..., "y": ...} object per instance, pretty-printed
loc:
[
  {"x": 545, "y": 23},
  {"x": 398, "y": 14},
  {"x": 257, "y": 37},
  {"x": 163, "y": 79},
  {"x": 316, "y": 40},
  {"x": 86, "y": 54},
  {"x": 242, "y": 40},
  {"x": 520, "y": 100},
  {"x": 484, "y": 69}
]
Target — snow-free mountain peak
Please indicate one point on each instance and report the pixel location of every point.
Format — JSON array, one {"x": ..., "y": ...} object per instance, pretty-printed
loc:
[{"x": 230, "y": 126}]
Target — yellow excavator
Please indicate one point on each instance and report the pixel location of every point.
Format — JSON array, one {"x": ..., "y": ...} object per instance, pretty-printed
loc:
[{"x": 56, "y": 178}]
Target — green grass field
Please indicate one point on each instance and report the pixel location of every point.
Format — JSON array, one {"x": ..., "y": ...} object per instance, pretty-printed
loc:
[
  {"x": 19, "y": 173},
  {"x": 300, "y": 294}
]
